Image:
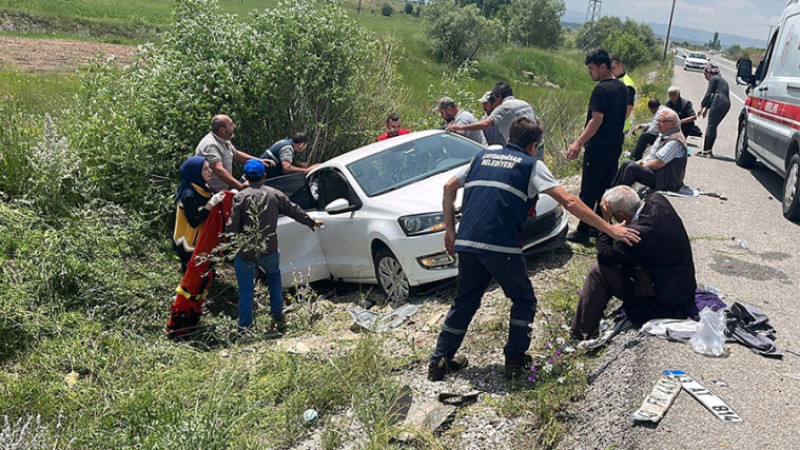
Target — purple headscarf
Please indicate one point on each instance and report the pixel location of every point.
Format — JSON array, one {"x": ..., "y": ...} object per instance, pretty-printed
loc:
[{"x": 711, "y": 68}]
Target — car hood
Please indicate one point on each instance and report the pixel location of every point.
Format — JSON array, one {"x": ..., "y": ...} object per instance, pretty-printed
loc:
[{"x": 421, "y": 197}]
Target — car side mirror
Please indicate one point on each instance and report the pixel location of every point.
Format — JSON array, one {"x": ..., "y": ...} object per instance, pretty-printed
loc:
[
  {"x": 338, "y": 206},
  {"x": 744, "y": 71}
]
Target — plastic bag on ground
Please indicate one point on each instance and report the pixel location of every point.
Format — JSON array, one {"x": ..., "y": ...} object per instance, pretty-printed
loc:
[{"x": 710, "y": 334}]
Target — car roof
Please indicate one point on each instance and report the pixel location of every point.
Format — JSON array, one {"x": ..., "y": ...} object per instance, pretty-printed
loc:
[{"x": 377, "y": 147}]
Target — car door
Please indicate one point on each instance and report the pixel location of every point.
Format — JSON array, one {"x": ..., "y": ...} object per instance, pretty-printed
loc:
[
  {"x": 773, "y": 132},
  {"x": 344, "y": 236},
  {"x": 303, "y": 258},
  {"x": 680, "y": 58}
]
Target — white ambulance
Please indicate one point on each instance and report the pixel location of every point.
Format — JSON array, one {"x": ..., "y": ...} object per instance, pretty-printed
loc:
[{"x": 769, "y": 124}]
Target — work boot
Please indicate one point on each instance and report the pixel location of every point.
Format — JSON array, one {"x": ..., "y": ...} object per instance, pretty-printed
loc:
[
  {"x": 280, "y": 322},
  {"x": 516, "y": 370},
  {"x": 436, "y": 372}
]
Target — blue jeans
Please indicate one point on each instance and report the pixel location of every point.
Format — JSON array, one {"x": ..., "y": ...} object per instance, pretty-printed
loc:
[{"x": 245, "y": 278}]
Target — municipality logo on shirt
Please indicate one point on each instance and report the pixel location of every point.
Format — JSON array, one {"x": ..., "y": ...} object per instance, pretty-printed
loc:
[{"x": 501, "y": 161}]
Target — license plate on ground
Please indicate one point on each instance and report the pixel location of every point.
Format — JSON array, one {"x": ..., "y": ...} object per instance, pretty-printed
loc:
[
  {"x": 710, "y": 400},
  {"x": 658, "y": 400}
]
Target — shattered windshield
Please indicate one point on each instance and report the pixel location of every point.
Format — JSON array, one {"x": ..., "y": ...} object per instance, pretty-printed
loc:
[{"x": 412, "y": 161}]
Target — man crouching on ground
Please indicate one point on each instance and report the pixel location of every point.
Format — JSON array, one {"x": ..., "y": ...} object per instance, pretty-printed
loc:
[
  {"x": 654, "y": 278},
  {"x": 500, "y": 191}
]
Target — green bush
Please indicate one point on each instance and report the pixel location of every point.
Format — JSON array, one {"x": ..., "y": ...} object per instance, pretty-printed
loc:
[
  {"x": 273, "y": 77},
  {"x": 459, "y": 34},
  {"x": 387, "y": 10},
  {"x": 409, "y": 8}
]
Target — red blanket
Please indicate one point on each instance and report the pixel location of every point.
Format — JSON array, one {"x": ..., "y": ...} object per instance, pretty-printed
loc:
[{"x": 188, "y": 305}]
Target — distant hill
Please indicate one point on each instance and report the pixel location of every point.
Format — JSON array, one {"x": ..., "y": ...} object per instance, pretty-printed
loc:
[
  {"x": 703, "y": 36},
  {"x": 681, "y": 33}
]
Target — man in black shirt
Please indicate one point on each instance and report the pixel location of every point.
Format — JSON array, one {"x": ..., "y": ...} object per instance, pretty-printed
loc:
[{"x": 602, "y": 137}]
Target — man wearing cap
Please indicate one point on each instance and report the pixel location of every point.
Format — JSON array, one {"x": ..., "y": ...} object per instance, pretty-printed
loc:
[
  {"x": 394, "y": 127},
  {"x": 451, "y": 113},
  {"x": 254, "y": 219},
  {"x": 282, "y": 153},
  {"x": 492, "y": 134},
  {"x": 217, "y": 149},
  {"x": 505, "y": 108}
]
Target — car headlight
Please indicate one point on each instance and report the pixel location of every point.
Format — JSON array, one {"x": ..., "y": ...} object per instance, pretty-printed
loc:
[{"x": 422, "y": 223}]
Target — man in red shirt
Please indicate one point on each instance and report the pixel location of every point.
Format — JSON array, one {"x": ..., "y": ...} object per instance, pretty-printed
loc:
[{"x": 393, "y": 128}]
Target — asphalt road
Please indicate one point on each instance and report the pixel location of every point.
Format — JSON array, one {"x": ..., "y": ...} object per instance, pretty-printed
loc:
[{"x": 765, "y": 274}]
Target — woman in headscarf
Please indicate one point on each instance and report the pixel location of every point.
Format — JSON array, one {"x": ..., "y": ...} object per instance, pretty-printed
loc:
[
  {"x": 194, "y": 202},
  {"x": 715, "y": 104}
]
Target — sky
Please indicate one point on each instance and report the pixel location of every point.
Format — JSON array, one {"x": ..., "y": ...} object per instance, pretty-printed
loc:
[{"x": 750, "y": 18}]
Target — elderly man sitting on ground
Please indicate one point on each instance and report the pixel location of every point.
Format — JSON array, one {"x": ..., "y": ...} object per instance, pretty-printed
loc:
[
  {"x": 664, "y": 167},
  {"x": 654, "y": 278}
]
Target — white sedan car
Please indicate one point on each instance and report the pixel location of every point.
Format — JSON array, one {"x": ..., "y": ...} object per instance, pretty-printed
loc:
[
  {"x": 382, "y": 209},
  {"x": 695, "y": 61}
]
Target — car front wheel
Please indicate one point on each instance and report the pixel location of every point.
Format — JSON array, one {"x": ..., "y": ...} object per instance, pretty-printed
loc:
[
  {"x": 791, "y": 185},
  {"x": 743, "y": 157},
  {"x": 391, "y": 276}
]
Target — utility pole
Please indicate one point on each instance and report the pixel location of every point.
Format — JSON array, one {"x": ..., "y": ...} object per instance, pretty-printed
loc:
[
  {"x": 593, "y": 11},
  {"x": 669, "y": 29},
  {"x": 592, "y": 14}
]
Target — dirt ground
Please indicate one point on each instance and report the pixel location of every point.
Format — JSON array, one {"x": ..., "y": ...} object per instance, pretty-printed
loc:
[{"x": 50, "y": 55}]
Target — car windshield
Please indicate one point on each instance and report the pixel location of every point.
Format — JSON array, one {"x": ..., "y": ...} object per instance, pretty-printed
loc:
[
  {"x": 697, "y": 55},
  {"x": 412, "y": 161}
]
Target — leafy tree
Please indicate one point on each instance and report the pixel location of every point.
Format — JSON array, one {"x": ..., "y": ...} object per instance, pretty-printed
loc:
[
  {"x": 387, "y": 10},
  {"x": 635, "y": 42},
  {"x": 460, "y": 34},
  {"x": 489, "y": 8},
  {"x": 633, "y": 52},
  {"x": 536, "y": 22},
  {"x": 136, "y": 125},
  {"x": 409, "y": 8},
  {"x": 734, "y": 51}
]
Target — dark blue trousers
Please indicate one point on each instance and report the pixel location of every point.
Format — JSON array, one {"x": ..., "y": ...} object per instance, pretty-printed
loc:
[{"x": 475, "y": 272}]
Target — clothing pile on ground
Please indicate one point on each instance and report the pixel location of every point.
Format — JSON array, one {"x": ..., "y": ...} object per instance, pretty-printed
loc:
[{"x": 745, "y": 325}]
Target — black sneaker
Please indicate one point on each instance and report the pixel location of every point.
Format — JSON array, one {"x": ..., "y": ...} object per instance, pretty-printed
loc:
[
  {"x": 280, "y": 322},
  {"x": 436, "y": 372},
  {"x": 516, "y": 370},
  {"x": 578, "y": 238}
]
